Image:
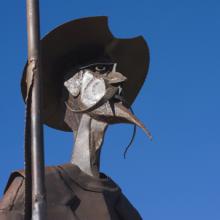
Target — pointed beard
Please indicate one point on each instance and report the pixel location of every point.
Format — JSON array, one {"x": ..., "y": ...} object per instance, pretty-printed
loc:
[{"x": 113, "y": 113}]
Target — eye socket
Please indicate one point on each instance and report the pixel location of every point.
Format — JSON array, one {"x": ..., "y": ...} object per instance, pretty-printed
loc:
[{"x": 100, "y": 68}]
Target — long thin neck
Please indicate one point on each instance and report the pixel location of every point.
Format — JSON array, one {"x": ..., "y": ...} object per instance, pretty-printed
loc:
[{"x": 87, "y": 147}]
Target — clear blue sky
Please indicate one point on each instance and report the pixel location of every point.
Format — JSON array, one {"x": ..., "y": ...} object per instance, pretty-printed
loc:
[{"x": 174, "y": 177}]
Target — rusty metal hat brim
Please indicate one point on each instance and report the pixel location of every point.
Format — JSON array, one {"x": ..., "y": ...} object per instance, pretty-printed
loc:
[{"x": 78, "y": 42}]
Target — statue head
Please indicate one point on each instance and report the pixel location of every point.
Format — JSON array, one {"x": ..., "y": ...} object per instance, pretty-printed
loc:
[
  {"x": 96, "y": 89},
  {"x": 86, "y": 70}
]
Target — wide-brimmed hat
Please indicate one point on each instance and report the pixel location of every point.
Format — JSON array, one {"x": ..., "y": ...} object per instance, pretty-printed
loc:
[{"x": 79, "y": 42}]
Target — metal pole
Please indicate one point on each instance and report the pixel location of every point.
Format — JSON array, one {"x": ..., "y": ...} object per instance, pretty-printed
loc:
[{"x": 37, "y": 148}]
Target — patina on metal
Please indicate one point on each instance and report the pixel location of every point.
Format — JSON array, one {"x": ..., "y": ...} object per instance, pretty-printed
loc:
[{"x": 36, "y": 208}]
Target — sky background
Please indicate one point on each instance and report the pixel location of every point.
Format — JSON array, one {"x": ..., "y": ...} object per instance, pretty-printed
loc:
[{"x": 174, "y": 177}]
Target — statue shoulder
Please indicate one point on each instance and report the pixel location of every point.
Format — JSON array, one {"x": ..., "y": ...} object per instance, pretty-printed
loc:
[
  {"x": 57, "y": 190},
  {"x": 12, "y": 195}
]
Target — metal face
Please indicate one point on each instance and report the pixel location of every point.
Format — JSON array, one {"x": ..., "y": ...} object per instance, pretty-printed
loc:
[
  {"x": 97, "y": 89},
  {"x": 94, "y": 85}
]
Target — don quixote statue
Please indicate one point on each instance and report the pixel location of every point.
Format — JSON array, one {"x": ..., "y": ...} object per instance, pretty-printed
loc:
[{"x": 88, "y": 80}]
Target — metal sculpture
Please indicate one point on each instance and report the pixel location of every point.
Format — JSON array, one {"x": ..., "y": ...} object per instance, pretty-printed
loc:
[{"x": 90, "y": 79}]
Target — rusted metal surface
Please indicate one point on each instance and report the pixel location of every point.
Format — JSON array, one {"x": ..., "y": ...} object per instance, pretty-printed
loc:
[{"x": 33, "y": 80}]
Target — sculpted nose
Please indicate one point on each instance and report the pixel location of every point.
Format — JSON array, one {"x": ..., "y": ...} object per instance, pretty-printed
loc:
[{"x": 115, "y": 78}]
